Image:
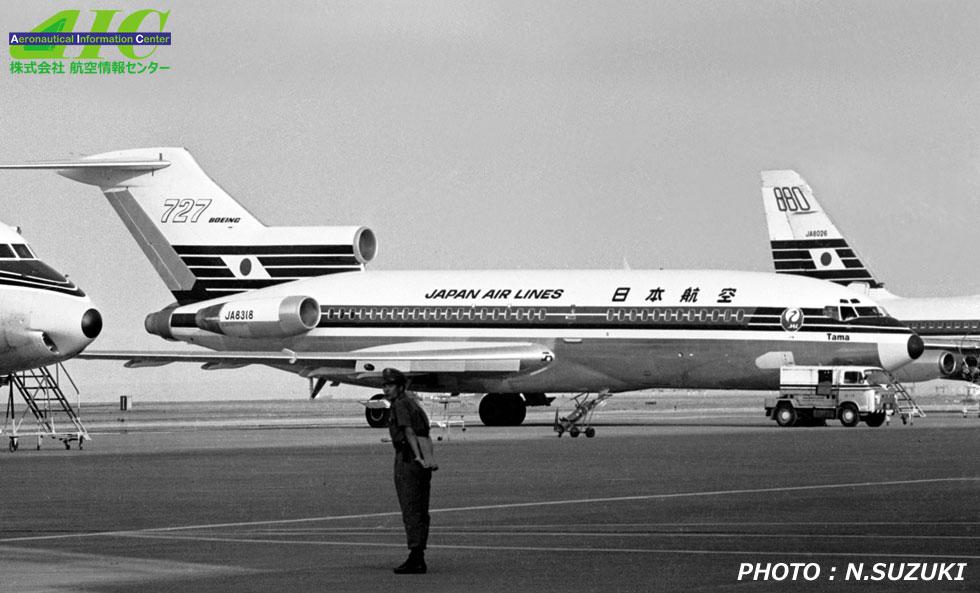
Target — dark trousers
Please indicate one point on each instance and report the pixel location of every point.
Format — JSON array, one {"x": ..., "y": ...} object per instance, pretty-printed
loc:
[{"x": 412, "y": 485}]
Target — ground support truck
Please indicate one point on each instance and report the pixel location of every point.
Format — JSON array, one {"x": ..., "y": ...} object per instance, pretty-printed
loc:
[{"x": 811, "y": 395}]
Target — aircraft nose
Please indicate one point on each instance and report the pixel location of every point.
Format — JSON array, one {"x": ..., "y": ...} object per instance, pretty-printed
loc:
[
  {"x": 902, "y": 350},
  {"x": 92, "y": 324},
  {"x": 915, "y": 346}
]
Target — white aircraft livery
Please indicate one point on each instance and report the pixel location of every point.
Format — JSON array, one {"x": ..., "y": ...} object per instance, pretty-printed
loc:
[
  {"x": 44, "y": 317},
  {"x": 299, "y": 299},
  {"x": 805, "y": 242}
]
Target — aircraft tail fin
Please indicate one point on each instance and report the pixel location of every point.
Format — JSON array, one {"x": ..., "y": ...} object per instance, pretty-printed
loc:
[
  {"x": 200, "y": 240},
  {"x": 804, "y": 240}
]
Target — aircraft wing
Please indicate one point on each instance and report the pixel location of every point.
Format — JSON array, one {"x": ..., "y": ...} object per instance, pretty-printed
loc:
[
  {"x": 413, "y": 358},
  {"x": 963, "y": 346}
]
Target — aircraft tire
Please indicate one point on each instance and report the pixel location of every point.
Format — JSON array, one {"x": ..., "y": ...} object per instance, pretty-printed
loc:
[
  {"x": 502, "y": 409},
  {"x": 848, "y": 415},
  {"x": 574, "y": 432},
  {"x": 518, "y": 411},
  {"x": 589, "y": 432},
  {"x": 875, "y": 420},
  {"x": 377, "y": 418},
  {"x": 785, "y": 415}
]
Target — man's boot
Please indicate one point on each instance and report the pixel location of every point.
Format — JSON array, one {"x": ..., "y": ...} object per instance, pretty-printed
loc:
[{"x": 415, "y": 563}]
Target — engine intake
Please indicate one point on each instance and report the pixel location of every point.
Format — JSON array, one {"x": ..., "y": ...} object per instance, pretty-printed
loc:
[{"x": 261, "y": 318}]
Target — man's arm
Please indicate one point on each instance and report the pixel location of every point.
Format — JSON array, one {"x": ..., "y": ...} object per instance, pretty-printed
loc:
[{"x": 413, "y": 443}]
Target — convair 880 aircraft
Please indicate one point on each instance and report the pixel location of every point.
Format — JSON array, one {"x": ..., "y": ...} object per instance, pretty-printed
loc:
[
  {"x": 299, "y": 299},
  {"x": 44, "y": 317},
  {"x": 806, "y": 243}
]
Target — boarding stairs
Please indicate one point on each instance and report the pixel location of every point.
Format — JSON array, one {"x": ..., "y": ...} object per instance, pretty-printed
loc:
[
  {"x": 41, "y": 389},
  {"x": 447, "y": 418},
  {"x": 579, "y": 421},
  {"x": 905, "y": 406}
]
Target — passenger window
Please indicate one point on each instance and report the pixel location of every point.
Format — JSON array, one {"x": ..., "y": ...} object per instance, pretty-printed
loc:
[{"x": 852, "y": 377}]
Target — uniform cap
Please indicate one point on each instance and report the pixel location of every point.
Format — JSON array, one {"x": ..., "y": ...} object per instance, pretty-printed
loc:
[{"x": 395, "y": 376}]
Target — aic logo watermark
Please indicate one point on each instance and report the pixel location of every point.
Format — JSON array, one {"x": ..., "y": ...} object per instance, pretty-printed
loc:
[{"x": 72, "y": 43}]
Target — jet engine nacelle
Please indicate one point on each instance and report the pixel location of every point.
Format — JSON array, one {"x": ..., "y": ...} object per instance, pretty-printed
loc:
[
  {"x": 261, "y": 318},
  {"x": 938, "y": 364}
]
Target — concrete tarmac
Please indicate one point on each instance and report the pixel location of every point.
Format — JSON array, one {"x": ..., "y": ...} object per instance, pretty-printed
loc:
[{"x": 656, "y": 502}]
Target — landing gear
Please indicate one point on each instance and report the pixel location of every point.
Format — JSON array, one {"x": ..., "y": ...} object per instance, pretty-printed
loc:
[
  {"x": 502, "y": 409},
  {"x": 875, "y": 420},
  {"x": 376, "y": 411}
]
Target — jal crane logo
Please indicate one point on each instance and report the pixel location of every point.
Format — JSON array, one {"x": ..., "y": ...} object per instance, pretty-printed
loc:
[{"x": 791, "y": 319}]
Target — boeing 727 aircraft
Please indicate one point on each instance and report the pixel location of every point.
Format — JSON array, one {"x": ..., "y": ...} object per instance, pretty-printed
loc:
[
  {"x": 299, "y": 299},
  {"x": 806, "y": 243}
]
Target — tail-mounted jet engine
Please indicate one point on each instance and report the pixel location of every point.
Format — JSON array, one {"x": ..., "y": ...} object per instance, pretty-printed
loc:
[{"x": 261, "y": 318}]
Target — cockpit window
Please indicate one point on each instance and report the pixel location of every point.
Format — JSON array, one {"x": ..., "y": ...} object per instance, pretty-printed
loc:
[
  {"x": 23, "y": 251},
  {"x": 6, "y": 252},
  {"x": 846, "y": 312}
]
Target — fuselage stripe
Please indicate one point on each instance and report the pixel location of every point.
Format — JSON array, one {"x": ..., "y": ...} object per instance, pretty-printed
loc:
[{"x": 213, "y": 250}]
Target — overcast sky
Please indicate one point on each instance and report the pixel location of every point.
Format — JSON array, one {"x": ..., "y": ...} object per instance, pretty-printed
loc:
[{"x": 514, "y": 135}]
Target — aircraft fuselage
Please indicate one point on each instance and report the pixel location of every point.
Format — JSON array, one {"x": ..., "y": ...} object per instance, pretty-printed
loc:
[{"x": 607, "y": 330}]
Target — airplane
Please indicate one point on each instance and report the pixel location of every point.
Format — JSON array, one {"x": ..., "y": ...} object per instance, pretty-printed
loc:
[
  {"x": 299, "y": 299},
  {"x": 44, "y": 317},
  {"x": 805, "y": 242}
]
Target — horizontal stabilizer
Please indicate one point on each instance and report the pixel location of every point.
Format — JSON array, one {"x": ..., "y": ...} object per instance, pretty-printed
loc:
[{"x": 128, "y": 165}]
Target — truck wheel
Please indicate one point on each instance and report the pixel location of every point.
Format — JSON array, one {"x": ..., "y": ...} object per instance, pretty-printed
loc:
[
  {"x": 785, "y": 416},
  {"x": 848, "y": 415},
  {"x": 875, "y": 420}
]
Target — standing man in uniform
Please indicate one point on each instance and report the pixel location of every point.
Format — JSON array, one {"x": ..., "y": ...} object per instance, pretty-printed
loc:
[{"x": 407, "y": 423}]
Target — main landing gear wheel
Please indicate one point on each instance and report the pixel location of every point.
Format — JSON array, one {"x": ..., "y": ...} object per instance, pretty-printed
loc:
[
  {"x": 377, "y": 417},
  {"x": 875, "y": 420},
  {"x": 848, "y": 415},
  {"x": 502, "y": 409}
]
